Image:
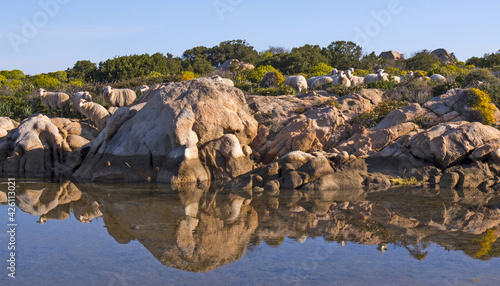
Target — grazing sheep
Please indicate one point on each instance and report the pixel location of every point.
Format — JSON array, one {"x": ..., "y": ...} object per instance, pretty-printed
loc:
[
  {"x": 398, "y": 79},
  {"x": 144, "y": 88},
  {"x": 342, "y": 79},
  {"x": 310, "y": 80},
  {"x": 296, "y": 81},
  {"x": 379, "y": 76},
  {"x": 355, "y": 80},
  {"x": 118, "y": 97},
  {"x": 95, "y": 112},
  {"x": 320, "y": 81},
  {"x": 438, "y": 77},
  {"x": 56, "y": 100},
  {"x": 80, "y": 95},
  {"x": 225, "y": 81}
]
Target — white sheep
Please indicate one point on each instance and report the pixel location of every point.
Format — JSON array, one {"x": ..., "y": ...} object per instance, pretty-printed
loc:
[
  {"x": 296, "y": 81},
  {"x": 342, "y": 79},
  {"x": 144, "y": 88},
  {"x": 57, "y": 100},
  {"x": 225, "y": 81},
  {"x": 355, "y": 80},
  {"x": 379, "y": 76},
  {"x": 118, "y": 97},
  {"x": 310, "y": 80},
  {"x": 334, "y": 72},
  {"x": 95, "y": 112},
  {"x": 320, "y": 81},
  {"x": 80, "y": 95},
  {"x": 438, "y": 77}
]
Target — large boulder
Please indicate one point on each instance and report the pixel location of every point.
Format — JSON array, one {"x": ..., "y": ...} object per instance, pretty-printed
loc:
[
  {"x": 6, "y": 125},
  {"x": 449, "y": 144},
  {"x": 41, "y": 145},
  {"x": 444, "y": 56},
  {"x": 391, "y": 55},
  {"x": 240, "y": 65},
  {"x": 162, "y": 141}
]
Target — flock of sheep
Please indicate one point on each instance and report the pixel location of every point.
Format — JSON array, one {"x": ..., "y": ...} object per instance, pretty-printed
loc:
[
  {"x": 82, "y": 103},
  {"x": 348, "y": 79},
  {"x": 98, "y": 114}
]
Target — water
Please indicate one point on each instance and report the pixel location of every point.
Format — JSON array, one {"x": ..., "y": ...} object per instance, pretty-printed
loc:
[{"x": 110, "y": 234}]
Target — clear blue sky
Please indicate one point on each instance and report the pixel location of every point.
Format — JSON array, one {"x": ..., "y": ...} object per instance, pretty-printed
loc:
[{"x": 98, "y": 30}]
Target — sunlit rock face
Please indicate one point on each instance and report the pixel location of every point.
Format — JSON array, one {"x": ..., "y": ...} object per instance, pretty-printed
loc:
[
  {"x": 42, "y": 145},
  {"x": 187, "y": 132}
]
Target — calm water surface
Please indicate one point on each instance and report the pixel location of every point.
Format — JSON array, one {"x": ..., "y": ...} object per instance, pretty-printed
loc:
[{"x": 110, "y": 234}]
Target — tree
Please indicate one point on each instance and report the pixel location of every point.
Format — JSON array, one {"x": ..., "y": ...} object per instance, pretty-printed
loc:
[
  {"x": 235, "y": 49},
  {"x": 343, "y": 55},
  {"x": 299, "y": 60},
  {"x": 85, "y": 70},
  {"x": 422, "y": 60}
]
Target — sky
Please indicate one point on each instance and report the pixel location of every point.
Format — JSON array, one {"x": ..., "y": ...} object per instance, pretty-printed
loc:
[{"x": 43, "y": 36}]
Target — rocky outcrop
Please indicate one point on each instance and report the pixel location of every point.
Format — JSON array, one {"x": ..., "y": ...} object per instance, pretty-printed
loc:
[
  {"x": 451, "y": 143},
  {"x": 444, "y": 56},
  {"x": 41, "y": 145},
  {"x": 391, "y": 55},
  {"x": 172, "y": 137},
  {"x": 6, "y": 125},
  {"x": 227, "y": 65}
]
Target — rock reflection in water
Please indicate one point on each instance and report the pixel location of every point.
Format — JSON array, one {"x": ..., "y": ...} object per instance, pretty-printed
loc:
[{"x": 198, "y": 229}]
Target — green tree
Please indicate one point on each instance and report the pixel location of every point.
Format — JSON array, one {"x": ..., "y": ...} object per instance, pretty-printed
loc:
[
  {"x": 235, "y": 49},
  {"x": 85, "y": 70},
  {"x": 422, "y": 60},
  {"x": 343, "y": 55}
]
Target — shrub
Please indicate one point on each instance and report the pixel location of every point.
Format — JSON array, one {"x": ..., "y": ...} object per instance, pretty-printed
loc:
[
  {"x": 258, "y": 73},
  {"x": 480, "y": 102},
  {"x": 46, "y": 81},
  {"x": 3, "y": 79},
  {"x": 371, "y": 119},
  {"x": 442, "y": 88},
  {"x": 272, "y": 79},
  {"x": 425, "y": 122},
  {"x": 321, "y": 69},
  {"x": 272, "y": 91},
  {"x": 13, "y": 74},
  {"x": 387, "y": 85},
  {"x": 479, "y": 75},
  {"x": 187, "y": 75},
  {"x": 361, "y": 72},
  {"x": 14, "y": 84},
  {"x": 62, "y": 76}
]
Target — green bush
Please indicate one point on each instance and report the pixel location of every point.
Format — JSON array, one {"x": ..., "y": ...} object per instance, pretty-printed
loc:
[
  {"x": 387, "y": 85},
  {"x": 442, "y": 88},
  {"x": 258, "y": 73},
  {"x": 13, "y": 74},
  {"x": 484, "y": 75},
  {"x": 321, "y": 69},
  {"x": 273, "y": 91},
  {"x": 272, "y": 79},
  {"x": 46, "y": 81},
  {"x": 371, "y": 119},
  {"x": 480, "y": 102}
]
